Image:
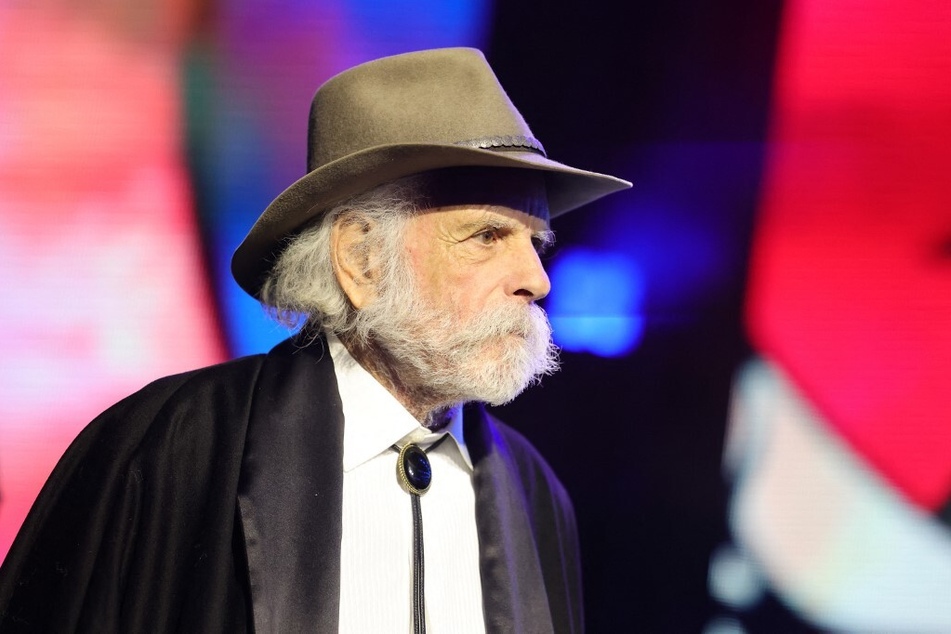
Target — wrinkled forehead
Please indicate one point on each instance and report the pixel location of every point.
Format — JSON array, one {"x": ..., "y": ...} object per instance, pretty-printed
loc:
[{"x": 520, "y": 189}]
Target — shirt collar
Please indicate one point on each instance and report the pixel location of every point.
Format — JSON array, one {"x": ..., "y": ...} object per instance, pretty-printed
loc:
[{"x": 374, "y": 420}]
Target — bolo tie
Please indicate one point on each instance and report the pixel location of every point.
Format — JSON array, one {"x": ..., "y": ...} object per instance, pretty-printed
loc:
[{"x": 415, "y": 475}]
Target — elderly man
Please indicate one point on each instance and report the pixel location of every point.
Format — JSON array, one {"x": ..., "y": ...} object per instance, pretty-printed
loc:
[{"x": 289, "y": 491}]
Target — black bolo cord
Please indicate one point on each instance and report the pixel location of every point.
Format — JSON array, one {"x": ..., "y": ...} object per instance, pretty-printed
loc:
[{"x": 415, "y": 475}]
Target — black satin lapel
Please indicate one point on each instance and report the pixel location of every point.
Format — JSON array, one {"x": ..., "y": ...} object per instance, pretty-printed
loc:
[
  {"x": 290, "y": 492},
  {"x": 513, "y": 587}
]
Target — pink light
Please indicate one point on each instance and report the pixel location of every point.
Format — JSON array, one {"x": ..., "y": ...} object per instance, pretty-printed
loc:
[
  {"x": 99, "y": 259},
  {"x": 849, "y": 290}
]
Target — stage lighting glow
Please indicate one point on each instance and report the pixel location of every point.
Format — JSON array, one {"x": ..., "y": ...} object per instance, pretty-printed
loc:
[
  {"x": 248, "y": 98},
  {"x": 100, "y": 259},
  {"x": 597, "y": 301},
  {"x": 849, "y": 292}
]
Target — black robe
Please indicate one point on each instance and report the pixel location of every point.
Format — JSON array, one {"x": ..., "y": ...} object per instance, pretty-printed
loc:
[{"x": 210, "y": 501}]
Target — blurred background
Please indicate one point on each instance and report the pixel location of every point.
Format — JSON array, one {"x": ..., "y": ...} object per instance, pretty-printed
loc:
[{"x": 752, "y": 416}]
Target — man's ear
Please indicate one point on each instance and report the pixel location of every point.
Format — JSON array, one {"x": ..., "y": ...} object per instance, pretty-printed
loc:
[{"x": 350, "y": 251}]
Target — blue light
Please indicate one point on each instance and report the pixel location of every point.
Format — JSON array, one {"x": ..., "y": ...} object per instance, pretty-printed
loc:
[
  {"x": 245, "y": 166},
  {"x": 398, "y": 26},
  {"x": 596, "y": 302}
]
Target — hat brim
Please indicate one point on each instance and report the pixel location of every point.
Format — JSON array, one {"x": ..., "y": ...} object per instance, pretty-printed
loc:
[{"x": 567, "y": 188}]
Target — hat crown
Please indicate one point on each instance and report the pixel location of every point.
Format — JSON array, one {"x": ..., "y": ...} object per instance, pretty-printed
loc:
[
  {"x": 403, "y": 115},
  {"x": 446, "y": 96}
]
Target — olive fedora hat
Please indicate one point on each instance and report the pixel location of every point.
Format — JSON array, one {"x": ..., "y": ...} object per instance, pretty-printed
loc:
[{"x": 403, "y": 115}]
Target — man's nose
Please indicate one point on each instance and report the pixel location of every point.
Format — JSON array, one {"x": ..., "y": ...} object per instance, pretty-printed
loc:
[{"x": 530, "y": 279}]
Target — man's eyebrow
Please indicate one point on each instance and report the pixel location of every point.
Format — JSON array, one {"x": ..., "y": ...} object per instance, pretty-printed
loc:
[
  {"x": 543, "y": 240},
  {"x": 489, "y": 217},
  {"x": 493, "y": 222},
  {"x": 482, "y": 223}
]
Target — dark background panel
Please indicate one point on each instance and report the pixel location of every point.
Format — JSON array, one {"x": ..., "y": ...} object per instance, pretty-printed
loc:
[{"x": 674, "y": 97}]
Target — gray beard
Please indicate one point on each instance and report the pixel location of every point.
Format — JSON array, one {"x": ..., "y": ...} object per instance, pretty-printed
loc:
[{"x": 491, "y": 357}]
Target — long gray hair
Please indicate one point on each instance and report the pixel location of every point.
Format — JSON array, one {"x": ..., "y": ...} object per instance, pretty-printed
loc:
[{"x": 302, "y": 290}]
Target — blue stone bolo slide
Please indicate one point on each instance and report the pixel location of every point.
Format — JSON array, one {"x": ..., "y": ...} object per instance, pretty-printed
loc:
[{"x": 415, "y": 475}]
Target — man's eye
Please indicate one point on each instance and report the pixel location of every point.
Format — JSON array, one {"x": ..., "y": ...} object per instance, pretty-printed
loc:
[{"x": 488, "y": 236}]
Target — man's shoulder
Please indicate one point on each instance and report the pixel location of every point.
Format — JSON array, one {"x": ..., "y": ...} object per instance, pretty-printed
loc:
[
  {"x": 534, "y": 470},
  {"x": 521, "y": 446},
  {"x": 206, "y": 381},
  {"x": 193, "y": 389},
  {"x": 168, "y": 455},
  {"x": 179, "y": 406}
]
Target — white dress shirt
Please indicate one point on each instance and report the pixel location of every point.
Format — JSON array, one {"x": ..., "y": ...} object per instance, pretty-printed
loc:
[{"x": 376, "y": 554}]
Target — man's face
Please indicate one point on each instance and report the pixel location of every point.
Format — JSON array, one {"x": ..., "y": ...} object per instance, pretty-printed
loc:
[
  {"x": 470, "y": 258},
  {"x": 465, "y": 325}
]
